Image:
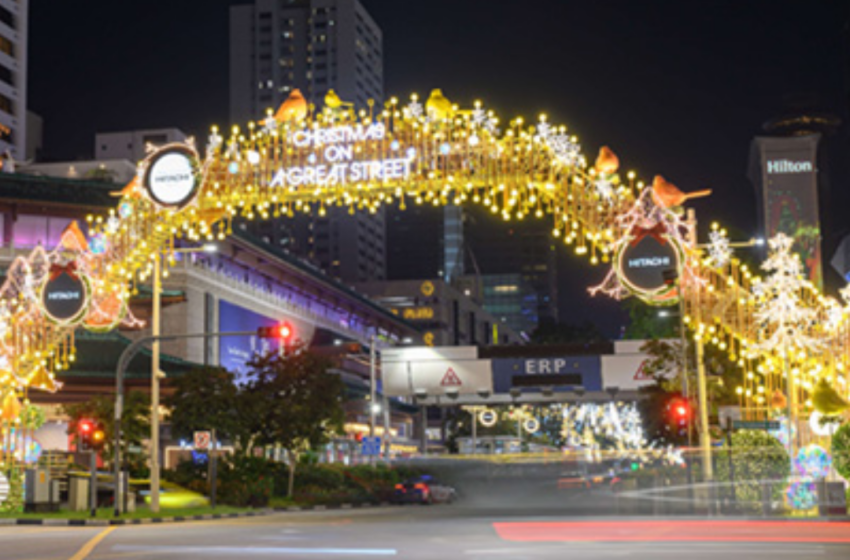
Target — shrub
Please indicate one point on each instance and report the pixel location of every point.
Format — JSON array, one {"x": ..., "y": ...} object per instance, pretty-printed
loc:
[
  {"x": 841, "y": 451},
  {"x": 756, "y": 456}
]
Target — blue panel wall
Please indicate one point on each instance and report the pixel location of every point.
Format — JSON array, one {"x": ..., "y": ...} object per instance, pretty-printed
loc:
[
  {"x": 235, "y": 351},
  {"x": 588, "y": 367}
]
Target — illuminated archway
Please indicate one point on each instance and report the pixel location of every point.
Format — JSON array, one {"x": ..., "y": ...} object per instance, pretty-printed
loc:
[{"x": 303, "y": 160}]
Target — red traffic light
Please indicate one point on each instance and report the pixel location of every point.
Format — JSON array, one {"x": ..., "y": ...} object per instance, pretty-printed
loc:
[
  {"x": 679, "y": 410},
  {"x": 282, "y": 331},
  {"x": 86, "y": 426}
]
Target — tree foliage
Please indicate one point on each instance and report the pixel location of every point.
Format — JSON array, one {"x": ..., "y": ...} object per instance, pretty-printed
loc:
[
  {"x": 294, "y": 402},
  {"x": 135, "y": 425},
  {"x": 207, "y": 398},
  {"x": 646, "y": 323}
]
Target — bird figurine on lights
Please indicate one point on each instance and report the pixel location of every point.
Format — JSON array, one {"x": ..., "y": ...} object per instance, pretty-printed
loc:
[
  {"x": 606, "y": 167},
  {"x": 130, "y": 189},
  {"x": 826, "y": 400},
  {"x": 334, "y": 103},
  {"x": 294, "y": 108},
  {"x": 607, "y": 161},
  {"x": 438, "y": 106},
  {"x": 668, "y": 195}
]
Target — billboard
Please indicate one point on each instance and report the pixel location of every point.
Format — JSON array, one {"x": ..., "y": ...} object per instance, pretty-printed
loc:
[
  {"x": 434, "y": 370},
  {"x": 784, "y": 171},
  {"x": 235, "y": 351}
]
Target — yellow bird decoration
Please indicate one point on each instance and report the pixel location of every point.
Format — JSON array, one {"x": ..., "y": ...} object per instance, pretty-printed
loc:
[
  {"x": 293, "y": 109},
  {"x": 332, "y": 101},
  {"x": 438, "y": 107}
]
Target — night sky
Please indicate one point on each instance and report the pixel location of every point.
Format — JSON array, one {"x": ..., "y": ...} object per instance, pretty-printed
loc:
[{"x": 676, "y": 88}]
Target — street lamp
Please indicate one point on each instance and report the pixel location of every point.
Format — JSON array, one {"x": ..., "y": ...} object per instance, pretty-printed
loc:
[{"x": 156, "y": 324}]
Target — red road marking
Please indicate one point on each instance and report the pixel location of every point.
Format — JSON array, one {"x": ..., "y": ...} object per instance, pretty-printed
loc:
[{"x": 659, "y": 531}]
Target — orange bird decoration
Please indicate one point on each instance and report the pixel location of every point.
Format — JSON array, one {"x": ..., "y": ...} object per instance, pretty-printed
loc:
[
  {"x": 294, "y": 108},
  {"x": 607, "y": 161},
  {"x": 667, "y": 194},
  {"x": 778, "y": 400},
  {"x": 129, "y": 189}
]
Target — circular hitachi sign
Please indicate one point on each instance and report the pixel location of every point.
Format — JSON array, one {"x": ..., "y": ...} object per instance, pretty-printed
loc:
[
  {"x": 647, "y": 267},
  {"x": 65, "y": 296},
  {"x": 171, "y": 178}
]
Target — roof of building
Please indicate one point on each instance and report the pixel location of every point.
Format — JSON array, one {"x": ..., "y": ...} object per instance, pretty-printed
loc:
[
  {"x": 33, "y": 188},
  {"x": 98, "y": 353}
]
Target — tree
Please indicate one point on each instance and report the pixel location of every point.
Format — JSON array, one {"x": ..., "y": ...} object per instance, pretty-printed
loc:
[
  {"x": 665, "y": 365},
  {"x": 207, "y": 398},
  {"x": 294, "y": 402},
  {"x": 135, "y": 426},
  {"x": 645, "y": 321}
]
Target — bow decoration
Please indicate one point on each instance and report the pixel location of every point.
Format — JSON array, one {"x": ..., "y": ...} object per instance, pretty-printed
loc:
[
  {"x": 56, "y": 270},
  {"x": 656, "y": 232}
]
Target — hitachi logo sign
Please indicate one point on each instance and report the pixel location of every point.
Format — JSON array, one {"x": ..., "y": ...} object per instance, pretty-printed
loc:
[
  {"x": 645, "y": 262},
  {"x": 788, "y": 166}
]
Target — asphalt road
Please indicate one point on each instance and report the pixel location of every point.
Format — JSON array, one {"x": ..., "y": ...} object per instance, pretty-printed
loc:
[{"x": 443, "y": 532}]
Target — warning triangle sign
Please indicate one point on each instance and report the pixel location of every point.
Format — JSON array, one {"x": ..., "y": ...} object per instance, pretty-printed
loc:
[
  {"x": 451, "y": 379},
  {"x": 640, "y": 374}
]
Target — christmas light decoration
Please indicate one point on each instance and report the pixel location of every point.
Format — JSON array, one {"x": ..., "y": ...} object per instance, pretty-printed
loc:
[{"x": 298, "y": 159}]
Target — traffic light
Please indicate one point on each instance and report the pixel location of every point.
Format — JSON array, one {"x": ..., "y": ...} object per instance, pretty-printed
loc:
[
  {"x": 679, "y": 412},
  {"x": 98, "y": 438},
  {"x": 85, "y": 429},
  {"x": 282, "y": 331},
  {"x": 91, "y": 435}
]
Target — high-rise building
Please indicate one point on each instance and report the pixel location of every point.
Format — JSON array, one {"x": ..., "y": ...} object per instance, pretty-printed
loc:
[
  {"x": 790, "y": 168},
  {"x": 13, "y": 77},
  {"x": 525, "y": 248},
  {"x": 133, "y": 144},
  {"x": 314, "y": 46}
]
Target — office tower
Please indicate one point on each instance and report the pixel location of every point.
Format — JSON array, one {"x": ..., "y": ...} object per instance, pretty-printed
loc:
[
  {"x": 789, "y": 168},
  {"x": 314, "y": 46},
  {"x": 13, "y": 78}
]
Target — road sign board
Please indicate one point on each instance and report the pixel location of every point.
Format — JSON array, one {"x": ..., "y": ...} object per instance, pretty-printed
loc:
[
  {"x": 770, "y": 425},
  {"x": 451, "y": 379},
  {"x": 202, "y": 440},
  {"x": 370, "y": 446}
]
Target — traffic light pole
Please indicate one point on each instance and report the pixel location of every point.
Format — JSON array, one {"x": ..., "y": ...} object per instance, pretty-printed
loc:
[
  {"x": 93, "y": 482},
  {"x": 124, "y": 361}
]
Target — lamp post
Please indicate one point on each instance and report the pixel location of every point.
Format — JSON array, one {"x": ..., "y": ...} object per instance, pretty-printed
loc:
[
  {"x": 156, "y": 325},
  {"x": 124, "y": 361}
]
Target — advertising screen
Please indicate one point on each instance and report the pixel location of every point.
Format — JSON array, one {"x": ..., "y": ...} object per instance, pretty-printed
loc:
[{"x": 236, "y": 351}]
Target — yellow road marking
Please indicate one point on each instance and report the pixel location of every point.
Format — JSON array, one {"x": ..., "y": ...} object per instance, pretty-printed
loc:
[{"x": 89, "y": 546}]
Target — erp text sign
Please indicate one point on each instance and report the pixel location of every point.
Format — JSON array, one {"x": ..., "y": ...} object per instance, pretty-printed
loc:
[
  {"x": 370, "y": 446},
  {"x": 562, "y": 373}
]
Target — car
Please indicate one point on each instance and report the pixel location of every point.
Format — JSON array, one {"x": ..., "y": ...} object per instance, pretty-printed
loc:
[
  {"x": 424, "y": 490},
  {"x": 572, "y": 480},
  {"x": 171, "y": 496}
]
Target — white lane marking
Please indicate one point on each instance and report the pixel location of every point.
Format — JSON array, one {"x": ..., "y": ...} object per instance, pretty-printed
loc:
[{"x": 254, "y": 550}]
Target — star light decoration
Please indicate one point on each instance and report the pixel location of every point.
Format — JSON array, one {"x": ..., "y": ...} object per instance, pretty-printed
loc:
[{"x": 719, "y": 250}]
